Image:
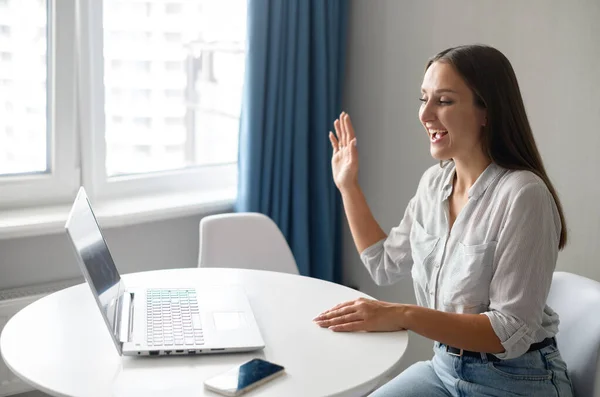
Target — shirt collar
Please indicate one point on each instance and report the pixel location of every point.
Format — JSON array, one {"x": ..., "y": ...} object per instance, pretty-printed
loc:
[
  {"x": 479, "y": 187},
  {"x": 484, "y": 180},
  {"x": 447, "y": 186}
]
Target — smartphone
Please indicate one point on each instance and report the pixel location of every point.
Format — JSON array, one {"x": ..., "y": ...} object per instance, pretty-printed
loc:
[{"x": 244, "y": 377}]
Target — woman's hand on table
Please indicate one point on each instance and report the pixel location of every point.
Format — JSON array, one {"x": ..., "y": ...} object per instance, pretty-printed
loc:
[{"x": 362, "y": 315}]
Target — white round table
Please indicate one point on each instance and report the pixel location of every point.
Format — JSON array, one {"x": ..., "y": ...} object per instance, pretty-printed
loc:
[{"x": 60, "y": 345}]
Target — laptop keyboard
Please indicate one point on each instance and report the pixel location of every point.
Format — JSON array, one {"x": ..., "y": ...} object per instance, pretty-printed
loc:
[{"x": 173, "y": 318}]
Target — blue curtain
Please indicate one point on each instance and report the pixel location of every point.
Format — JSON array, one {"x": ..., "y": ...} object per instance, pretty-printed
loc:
[{"x": 292, "y": 95}]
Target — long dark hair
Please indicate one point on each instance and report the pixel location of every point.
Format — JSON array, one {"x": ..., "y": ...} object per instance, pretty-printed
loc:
[{"x": 507, "y": 136}]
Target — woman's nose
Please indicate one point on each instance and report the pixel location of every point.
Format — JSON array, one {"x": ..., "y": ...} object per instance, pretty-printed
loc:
[{"x": 426, "y": 112}]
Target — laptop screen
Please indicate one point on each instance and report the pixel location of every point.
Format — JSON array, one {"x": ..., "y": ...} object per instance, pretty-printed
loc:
[{"x": 95, "y": 260}]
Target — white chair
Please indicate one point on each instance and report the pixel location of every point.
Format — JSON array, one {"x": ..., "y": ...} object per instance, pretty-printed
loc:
[
  {"x": 576, "y": 299},
  {"x": 245, "y": 240}
]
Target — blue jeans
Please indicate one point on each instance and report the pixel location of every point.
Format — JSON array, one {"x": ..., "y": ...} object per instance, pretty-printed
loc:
[{"x": 540, "y": 373}]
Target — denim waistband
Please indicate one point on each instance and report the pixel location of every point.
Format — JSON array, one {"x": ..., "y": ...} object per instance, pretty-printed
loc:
[{"x": 484, "y": 357}]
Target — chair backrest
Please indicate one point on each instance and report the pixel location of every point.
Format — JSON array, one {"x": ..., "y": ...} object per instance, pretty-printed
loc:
[
  {"x": 576, "y": 299},
  {"x": 246, "y": 240}
]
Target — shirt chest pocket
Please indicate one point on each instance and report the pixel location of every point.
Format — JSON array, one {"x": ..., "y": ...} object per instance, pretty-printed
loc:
[
  {"x": 422, "y": 246},
  {"x": 468, "y": 277}
]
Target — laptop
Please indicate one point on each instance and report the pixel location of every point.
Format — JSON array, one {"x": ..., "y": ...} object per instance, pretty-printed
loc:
[{"x": 159, "y": 321}]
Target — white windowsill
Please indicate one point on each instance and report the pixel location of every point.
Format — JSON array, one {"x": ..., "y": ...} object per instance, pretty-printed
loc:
[{"x": 114, "y": 213}]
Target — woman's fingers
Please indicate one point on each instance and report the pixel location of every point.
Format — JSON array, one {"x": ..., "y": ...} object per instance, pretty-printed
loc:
[
  {"x": 334, "y": 142},
  {"x": 346, "y": 318},
  {"x": 336, "y": 307},
  {"x": 353, "y": 326},
  {"x": 339, "y": 305},
  {"x": 348, "y": 127},
  {"x": 336, "y": 313},
  {"x": 344, "y": 132},
  {"x": 353, "y": 151},
  {"x": 338, "y": 132},
  {"x": 344, "y": 141}
]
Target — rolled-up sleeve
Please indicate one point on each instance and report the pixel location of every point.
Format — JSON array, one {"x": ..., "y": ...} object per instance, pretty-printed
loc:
[
  {"x": 389, "y": 259},
  {"x": 525, "y": 260}
]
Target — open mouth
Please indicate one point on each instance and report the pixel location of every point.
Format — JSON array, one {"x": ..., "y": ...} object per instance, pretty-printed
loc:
[{"x": 436, "y": 136}]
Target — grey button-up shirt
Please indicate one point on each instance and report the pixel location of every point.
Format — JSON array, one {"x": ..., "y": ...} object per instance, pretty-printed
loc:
[{"x": 498, "y": 258}]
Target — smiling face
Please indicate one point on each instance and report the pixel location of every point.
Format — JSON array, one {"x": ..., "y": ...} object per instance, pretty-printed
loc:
[{"x": 450, "y": 115}]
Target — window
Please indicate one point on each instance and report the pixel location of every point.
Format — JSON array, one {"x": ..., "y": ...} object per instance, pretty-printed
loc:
[
  {"x": 174, "y": 78},
  {"x": 173, "y": 8},
  {"x": 173, "y": 66},
  {"x": 158, "y": 88},
  {"x": 26, "y": 152},
  {"x": 37, "y": 161},
  {"x": 172, "y": 37}
]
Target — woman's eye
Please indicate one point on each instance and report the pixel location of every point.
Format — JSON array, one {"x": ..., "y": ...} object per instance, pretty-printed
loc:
[{"x": 440, "y": 102}]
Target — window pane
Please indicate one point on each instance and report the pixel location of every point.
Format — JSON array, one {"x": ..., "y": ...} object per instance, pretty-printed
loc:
[
  {"x": 173, "y": 73},
  {"x": 23, "y": 71}
]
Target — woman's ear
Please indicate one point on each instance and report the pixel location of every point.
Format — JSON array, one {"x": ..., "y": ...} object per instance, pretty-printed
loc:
[{"x": 483, "y": 117}]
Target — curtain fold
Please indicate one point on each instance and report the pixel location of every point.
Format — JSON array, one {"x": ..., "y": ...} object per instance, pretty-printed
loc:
[{"x": 292, "y": 95}]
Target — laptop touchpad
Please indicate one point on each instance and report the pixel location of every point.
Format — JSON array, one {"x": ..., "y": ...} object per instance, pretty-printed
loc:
[{"x": 229, "y": 320}]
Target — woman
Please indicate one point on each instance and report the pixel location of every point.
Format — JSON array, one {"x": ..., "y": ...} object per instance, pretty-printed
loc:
[{"x": 480, "y": 239}]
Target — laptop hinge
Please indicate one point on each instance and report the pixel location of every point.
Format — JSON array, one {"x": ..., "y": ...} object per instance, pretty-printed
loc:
[{"x": 126, "y": 326}]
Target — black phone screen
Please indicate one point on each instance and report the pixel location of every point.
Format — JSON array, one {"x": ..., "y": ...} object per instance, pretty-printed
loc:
[
  {"x": 255, "y": 370},
  {"x": 244, "y": 376}
]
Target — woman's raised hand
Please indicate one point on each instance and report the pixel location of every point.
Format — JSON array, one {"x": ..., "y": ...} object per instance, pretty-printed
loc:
[{"x": 344, "y": 161}]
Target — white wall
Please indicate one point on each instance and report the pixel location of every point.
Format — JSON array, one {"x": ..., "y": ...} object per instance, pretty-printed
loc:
[
  {"x": 553, "y": 46},
  {"x": 148, "y": 246}
]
